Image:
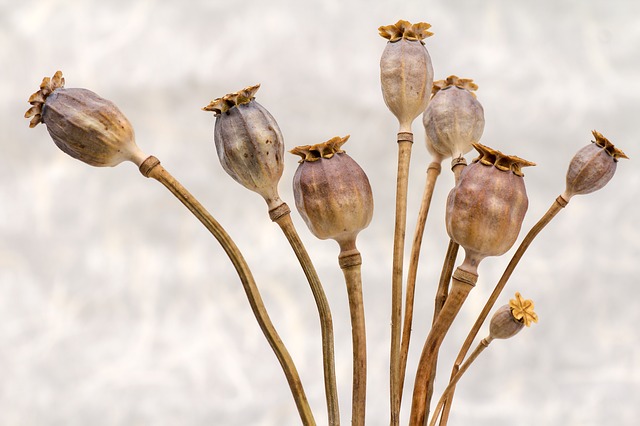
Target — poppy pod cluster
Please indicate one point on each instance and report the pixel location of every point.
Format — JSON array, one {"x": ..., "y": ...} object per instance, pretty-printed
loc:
[
  {"x": 82, "y": 124},
  {"x": 332, "y": 192},
  {"x": 486, "y": 208},
  {"x": 249, "y": 143},
  {"x": 454, "y": 118},
  {"x": 406, "y": 72}
]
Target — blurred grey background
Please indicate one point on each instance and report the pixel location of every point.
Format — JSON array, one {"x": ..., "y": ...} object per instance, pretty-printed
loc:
[{"x": 118, "y": 308}]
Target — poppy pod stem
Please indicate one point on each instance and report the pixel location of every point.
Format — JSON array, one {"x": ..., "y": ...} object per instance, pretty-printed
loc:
[
  {"x": 350, "y": 262},
  {"x": 463, "y": 280},
  {"x": 433, "y": 171},
  {"x": 282, "y": 216},
  {"x": 152, "y": 168}
]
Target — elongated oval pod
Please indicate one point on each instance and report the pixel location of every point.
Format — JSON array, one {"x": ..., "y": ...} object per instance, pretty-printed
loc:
[
  {"x": 486, "y": 208},
  {"x": 454, "y": 118},
  {"x": 249, "y": 143},
  {"x": 406, "y": 72},
  {"x": 84, "y": 125},
  {"x": 332, "y": 192},
  {"x": 592, "y": 167}
]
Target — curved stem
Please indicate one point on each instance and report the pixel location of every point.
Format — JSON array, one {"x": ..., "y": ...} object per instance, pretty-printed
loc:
[
  {"x": 283, "y": 219},
  {"x": 151, "y": 168},
  {"x": 351, "y": 263},
  {"x": 405, "y": 141},
  {"x": 555, "y": 208},
  {"x": 432, "y": 175},
  {"x": 461, "y": 284},
  {"x": 484, "y": 343}
]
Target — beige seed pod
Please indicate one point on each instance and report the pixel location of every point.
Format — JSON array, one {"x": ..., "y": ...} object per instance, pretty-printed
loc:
[
  {"x": 486, "y": 208},
  {"x": 592, "y": 167},
  {"x": 84, "y": 125},
  {"x": 454, "y": 118},
  {"x": 249, "y": 143},
  {"x": 332, "y": 192},
  {"x": 406, "y": 72}
]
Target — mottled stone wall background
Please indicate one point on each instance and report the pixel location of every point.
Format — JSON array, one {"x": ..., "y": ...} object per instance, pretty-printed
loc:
[{"x": 117, "y": 308}]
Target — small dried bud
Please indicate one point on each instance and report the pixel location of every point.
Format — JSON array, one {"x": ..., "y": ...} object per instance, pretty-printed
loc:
[
  {"x": 510, "y": 319},
  {"x": 486, "y": 208},
  {"x": 592, "y": 167},
  {"x": 406, "y": 72},
  {"x": 454, "y": 119},
  {"x": 83, "y": 125},
  {"x": 249, "y": 143},
  {"x": 332, "y": 192}
]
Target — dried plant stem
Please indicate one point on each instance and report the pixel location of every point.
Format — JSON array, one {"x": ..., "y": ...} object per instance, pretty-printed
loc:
[
  {"x": 351, "y": 263},
  {"x": 463, "y": 280},
  {"x": 151, "y": 168},
  {"x": 484, "y": 343},
  {"x": 405, "y": 141},
  {"x": 281, "y": 215},
  {"x": 555, "y": 208},
  {"x": 432, "y": 175}
]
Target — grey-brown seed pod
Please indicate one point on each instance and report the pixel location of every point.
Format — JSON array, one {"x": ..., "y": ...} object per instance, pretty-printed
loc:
[
  {"x": 486, "y": 208},
  {"x": 503, "y": 324},
  {"x": 332, "y": 192},
  {"x": 454, "y": 118},
  {"x": 406, "y": 72},
  {"x": 592, "y": 167},
  {"x": 83, "y": 125},
  {"x": 249, "y": 143}
]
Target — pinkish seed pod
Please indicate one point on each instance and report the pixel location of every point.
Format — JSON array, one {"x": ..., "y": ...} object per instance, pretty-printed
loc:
[
  {"x": 249, "y": 143},
  {"x": 592, "y": 167},
  {"x": 454, "y": 119},
  {"x": 486, "y": 208},
  {"x": 406, "y": 72},
  {"x": 503, "y": 324},
  {"x": 83, "y": 125},
  {"x": 332, "y": 192}
]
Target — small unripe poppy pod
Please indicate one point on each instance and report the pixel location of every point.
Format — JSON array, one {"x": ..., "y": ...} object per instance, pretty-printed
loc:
[
  {"x": 454, "y": 119},
  {"x": 332, "y": 192},
  {"x": 592, "y": 167},
  {"x": 406, "y": 72},
  {"x": 249, "y": 143},
  {"x": 486, "y": 208},
  {"x": 83, "y": 125},
  {"x": 509, "y": 319}
]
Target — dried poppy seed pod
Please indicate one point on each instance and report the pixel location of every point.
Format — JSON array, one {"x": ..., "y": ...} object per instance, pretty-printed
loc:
[
  {"x": 249, "y": 143},
  {"x": 406, "y": 72},
  {"x": 486, "y": 208},
  {"x": 510, "y": 319},
  {"x": 332, "y": 192},
  {"x": 592, "y": 167},
  {"x": 454, "y": 119},
  {"x": 83, "y": 125}
]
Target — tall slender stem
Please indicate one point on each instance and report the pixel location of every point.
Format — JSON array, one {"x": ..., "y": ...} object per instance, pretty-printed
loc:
[
  {"x": 151, "y": 168},
  {"x": 405, "y": 141},
  {"x": 461, "y": 284},
  {"x": 555, "y": 208},
  {"x": 351, "y": 265},
  {"x": 281, "y": 215},
  {"x": 484, "y": 343},
  {"x": 432, "y": 175}
]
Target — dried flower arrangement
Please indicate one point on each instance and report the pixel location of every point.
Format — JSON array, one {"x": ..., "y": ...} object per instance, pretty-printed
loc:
[{"x": 484, "y": 211}]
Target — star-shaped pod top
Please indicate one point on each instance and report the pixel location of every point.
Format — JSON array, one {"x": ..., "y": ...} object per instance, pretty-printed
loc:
[{"x": 404, "y": 29}]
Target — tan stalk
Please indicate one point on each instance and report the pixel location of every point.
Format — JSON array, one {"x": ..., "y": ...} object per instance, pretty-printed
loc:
[
  {"x": 484, "y": 343},
  {"x": 463, "y": 280},
  {"x": 405, "y": 141},
  {"x": 282, "y": 216},
  {"x": 555, "y": 208},
  {"x": 151, "y": 168},
  {"x": 432, "y": 175},
  {"x": 351, "y": 263}
]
